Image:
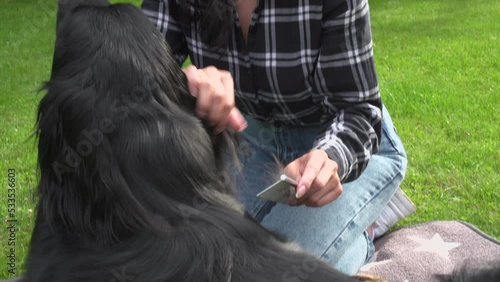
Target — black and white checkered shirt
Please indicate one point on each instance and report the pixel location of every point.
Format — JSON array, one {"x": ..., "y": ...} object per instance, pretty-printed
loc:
[{"x": 307, "y": 63}]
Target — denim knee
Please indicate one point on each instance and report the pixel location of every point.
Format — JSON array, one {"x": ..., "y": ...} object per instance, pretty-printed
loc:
[{"x": 391, "y": 145}]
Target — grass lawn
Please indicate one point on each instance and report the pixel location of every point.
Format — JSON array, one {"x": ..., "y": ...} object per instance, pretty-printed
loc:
[
  {"x": 437, "y": 63},
  {"x": 438, "y": 66}
]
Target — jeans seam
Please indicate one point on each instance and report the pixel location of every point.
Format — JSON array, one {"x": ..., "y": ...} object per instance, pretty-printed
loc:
[
  {"x": 390, "y": 139},
  {"x": 399, "y": 174},
  {"x": 259, "y": 208}
]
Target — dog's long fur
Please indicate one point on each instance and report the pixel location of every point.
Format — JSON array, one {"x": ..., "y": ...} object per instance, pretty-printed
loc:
[
  {"x": 132, "y": 187},
  {"x": 490, "y": 272}
]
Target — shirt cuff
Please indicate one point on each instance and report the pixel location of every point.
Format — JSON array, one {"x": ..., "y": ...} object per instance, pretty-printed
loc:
[{"x": 338, "y": 152}]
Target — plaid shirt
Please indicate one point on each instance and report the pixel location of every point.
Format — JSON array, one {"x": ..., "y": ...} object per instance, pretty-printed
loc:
[{"x": 307, "y": 63}]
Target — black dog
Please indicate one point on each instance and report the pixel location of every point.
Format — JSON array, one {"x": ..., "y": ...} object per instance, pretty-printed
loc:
[
  {"x": 132, "y": 185},
  {"x": 490, "y": 272}
]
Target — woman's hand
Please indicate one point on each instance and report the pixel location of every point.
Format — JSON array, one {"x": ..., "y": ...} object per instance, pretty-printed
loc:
[
  {"x": 214, "y": 90},
  {"x": 318, "y": 180}
]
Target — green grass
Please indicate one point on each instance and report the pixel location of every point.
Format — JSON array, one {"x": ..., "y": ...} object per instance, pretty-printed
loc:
[
  {"x": 437, "y": 63},
  {"x": 25, "y": 61},
  {"x": 438, "y": 66}
]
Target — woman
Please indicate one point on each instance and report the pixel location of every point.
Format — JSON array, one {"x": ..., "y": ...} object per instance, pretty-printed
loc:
[{"x": 305, "y": 83}]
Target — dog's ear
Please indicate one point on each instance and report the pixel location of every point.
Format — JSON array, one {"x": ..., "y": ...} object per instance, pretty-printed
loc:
[{"x": 65, "y": 7}]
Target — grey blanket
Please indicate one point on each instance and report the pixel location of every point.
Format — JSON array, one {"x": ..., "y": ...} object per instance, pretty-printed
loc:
[{"x": 416, "y": 253}]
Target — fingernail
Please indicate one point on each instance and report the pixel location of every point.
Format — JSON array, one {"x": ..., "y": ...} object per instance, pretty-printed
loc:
[
  {"x": 242, "y": 126},
  {"x": 300, "y": 192},
  {"x": 201, "y": 114}
]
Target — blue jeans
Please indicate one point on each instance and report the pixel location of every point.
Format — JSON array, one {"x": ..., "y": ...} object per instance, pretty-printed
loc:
[{"x": 335, "y": 232}]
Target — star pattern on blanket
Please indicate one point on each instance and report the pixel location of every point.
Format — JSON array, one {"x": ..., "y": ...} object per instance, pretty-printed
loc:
[
  {"x": 417, "y": 253},
  {"x": 435, "y": 245}
]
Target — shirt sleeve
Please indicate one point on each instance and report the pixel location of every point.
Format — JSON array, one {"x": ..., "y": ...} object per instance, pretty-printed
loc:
[
  {"x": 347, "y": 79},
  {"x": 163, "y": 14}
]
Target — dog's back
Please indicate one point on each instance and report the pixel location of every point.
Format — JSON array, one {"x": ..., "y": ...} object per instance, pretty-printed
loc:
[
  {"x": 490, "y": 272},
  {"x": 132, "y": 184}
]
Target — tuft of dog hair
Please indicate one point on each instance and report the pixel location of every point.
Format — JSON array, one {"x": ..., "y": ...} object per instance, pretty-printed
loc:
[
  {"x": 132, "y": 184},
  {"x": 488, "y": 273}
]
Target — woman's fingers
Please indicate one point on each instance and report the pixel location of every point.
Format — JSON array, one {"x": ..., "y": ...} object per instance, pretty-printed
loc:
[{"x": 215, "y": 104}]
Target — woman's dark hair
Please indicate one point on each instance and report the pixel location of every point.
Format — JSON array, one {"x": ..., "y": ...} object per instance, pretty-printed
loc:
[{"x": 215, "y": 19}]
